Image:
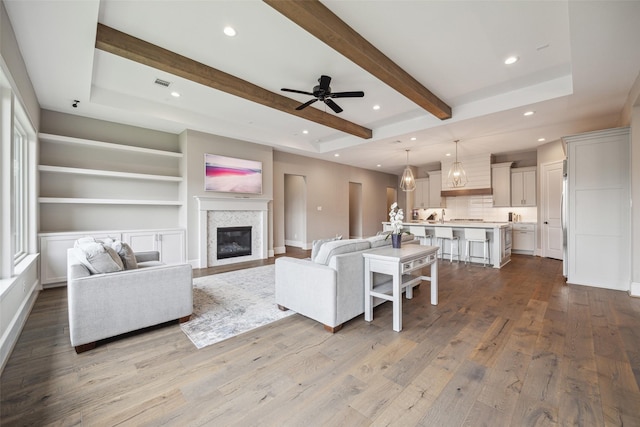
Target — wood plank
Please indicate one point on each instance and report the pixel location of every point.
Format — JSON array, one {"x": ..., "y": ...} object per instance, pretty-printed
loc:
[
  {"x": 118, "y": 43},
  {"x": 319, "y": 21}
]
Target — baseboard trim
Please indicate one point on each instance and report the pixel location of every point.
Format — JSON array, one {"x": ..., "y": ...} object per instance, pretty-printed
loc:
[
  {"x": 634, "y": 291},
  {"x": 270, "y": 253},
  {"x": 11, "y": 335},
  {"x": 279, "y": 250}
]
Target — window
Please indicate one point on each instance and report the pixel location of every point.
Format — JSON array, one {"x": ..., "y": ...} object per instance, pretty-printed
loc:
[{"x": 19, "y": 193}]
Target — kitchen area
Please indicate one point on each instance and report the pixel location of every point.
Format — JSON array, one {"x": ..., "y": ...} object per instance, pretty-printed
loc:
[{"x": 500, "y": 198}]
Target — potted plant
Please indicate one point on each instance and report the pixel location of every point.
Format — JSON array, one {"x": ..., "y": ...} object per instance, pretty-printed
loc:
[{"x": 396, "y": 216}]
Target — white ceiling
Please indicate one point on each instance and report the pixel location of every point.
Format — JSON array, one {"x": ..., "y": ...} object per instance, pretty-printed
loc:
[{"x": 578, "y": 62}]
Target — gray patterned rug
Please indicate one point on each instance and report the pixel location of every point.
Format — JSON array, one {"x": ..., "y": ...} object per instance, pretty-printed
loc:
[{"x": 228, "y": 304}]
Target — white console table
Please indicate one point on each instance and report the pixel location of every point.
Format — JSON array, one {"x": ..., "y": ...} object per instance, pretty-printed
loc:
[{"x": 398, "y": 263}]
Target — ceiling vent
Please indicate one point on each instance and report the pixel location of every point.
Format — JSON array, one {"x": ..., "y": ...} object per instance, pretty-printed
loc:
[{"x": 162, "y": 82}]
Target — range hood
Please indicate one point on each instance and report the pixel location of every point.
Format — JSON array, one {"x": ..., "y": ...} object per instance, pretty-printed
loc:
[{"x": 478, "y": 170}]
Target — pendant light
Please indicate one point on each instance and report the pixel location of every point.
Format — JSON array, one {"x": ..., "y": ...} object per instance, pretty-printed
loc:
[
  {"x": 408, "y": 182},
  {"x": 457, "y": 176}
]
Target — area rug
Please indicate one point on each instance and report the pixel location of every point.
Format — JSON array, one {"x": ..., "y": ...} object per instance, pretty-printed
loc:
[{"x": 228, "y": 304}]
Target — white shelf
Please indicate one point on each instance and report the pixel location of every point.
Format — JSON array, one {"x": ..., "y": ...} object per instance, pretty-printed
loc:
[
  {"x": 113, "y": 174},
  {"x": 85, "y": 201},
  {"x": 106, "y": 145}
]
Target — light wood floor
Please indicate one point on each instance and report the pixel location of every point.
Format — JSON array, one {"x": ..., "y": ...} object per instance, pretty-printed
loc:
[{"x": 510, "y": 347}]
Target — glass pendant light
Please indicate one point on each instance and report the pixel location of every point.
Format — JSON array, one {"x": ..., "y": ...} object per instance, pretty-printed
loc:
[
  {"x": 408, "y": 182},
  {"x": 457, "y": 176}
]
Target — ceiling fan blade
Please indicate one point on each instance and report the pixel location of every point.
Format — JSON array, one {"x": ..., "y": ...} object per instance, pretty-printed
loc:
[
  {"x": 306, "y": 104},
  {"x": 335, "y": 107},
  {"x": 356, "y": 94},
  {"x": 296, "y": 91},
  {"x": 324, "y": 83}
]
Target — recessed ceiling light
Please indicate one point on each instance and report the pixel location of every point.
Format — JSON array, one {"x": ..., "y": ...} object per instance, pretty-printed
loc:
[
  {"x": 336, "y": 155},
  {"x": 378, "y": 166},
  {"x": 511, "y": 60},
  {"x": 448, "y": 154},
  {"x": 175, "y": 94},
  {"x": 413, "y": 138},
  {"x": 229, "y": 31},
  {"x": 541, "y": 139},
  {"x": 529, "y": 113},
  {"x": 305, "y": 131},
  {"x": 376, "y": 107}
]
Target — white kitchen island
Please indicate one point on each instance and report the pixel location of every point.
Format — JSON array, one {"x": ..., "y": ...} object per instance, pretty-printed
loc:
[{"x": 498, "y": 233}]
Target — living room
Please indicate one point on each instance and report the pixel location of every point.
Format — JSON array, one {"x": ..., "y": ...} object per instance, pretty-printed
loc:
[{"x": 174, "y": 204}]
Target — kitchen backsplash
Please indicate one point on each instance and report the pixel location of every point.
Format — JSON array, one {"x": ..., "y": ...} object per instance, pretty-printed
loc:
[{"x": 480, "y": 207}]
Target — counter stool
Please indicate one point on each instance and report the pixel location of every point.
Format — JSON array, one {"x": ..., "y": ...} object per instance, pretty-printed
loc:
[
  {"x": 446, "y": 233},
  {"x": 478, "y": 235},
  {"x": 421, "y": 233}
]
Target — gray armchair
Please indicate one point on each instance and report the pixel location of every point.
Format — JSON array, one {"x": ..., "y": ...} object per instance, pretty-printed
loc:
[{"x": 110, "y": 304}]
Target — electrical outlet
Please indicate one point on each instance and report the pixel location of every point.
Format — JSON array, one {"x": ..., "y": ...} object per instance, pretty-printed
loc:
[{"x": 24, "y": 287}]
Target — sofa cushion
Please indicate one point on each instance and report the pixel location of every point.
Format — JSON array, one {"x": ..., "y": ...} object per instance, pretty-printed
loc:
[
  {"x": 337, "y": 247},
  {"x": 379, "y": 240},
  {"x": 97, "y": 256},
  {"x": 315, "y": 246}
]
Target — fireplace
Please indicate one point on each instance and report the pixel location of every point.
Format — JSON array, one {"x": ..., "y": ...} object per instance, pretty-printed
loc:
[{"x": 233, "y": 242}]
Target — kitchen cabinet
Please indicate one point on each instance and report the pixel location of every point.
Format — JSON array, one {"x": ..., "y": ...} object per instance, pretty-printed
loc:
[
  {"x": 523, "y": 186},
  {"x": 599, "y": 181},
  {"x": 435, "y": 187},
  {"x": 501, "y": 184},
  {"x": 421, "y": 194},
  {"x": 524, "y": 238}
]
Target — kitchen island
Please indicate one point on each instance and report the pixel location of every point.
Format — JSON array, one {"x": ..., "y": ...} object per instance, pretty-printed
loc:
[{"x": 498, "y": 233}]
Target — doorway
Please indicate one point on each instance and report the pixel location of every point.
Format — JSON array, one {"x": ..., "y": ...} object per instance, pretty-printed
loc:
[
  {"x": 355, "y": 210},
  {"x": 295, "y": 211},
  {"x": 550, "y": 209}
]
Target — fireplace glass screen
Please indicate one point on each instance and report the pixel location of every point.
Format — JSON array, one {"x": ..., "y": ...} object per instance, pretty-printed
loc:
[{"x": 233, "y": 242}]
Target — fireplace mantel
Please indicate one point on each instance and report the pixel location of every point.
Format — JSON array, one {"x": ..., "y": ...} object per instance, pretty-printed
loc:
[{"x": 231, "y": 204}]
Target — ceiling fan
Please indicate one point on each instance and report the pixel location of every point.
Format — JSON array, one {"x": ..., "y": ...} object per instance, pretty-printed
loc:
[{"x": 322, "y": 92}]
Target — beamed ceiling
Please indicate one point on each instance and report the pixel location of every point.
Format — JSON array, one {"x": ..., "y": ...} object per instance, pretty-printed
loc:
[{"x": 435, "y": 69}]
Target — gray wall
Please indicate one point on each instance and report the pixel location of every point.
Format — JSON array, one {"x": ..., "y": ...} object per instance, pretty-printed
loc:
[
  {"x": 195, "y": 145},
  {"x": 328, "y": 188}
]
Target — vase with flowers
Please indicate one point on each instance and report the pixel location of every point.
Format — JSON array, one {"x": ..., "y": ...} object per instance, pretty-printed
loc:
[{"x": 396, "y": 216}]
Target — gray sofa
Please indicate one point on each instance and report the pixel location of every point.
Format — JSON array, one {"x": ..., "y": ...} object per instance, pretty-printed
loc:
[
  {"x": 329, "y": 287},
  {"x": 109, "y": 304}
]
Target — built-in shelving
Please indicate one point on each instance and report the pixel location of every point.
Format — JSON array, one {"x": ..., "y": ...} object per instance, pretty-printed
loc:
[
  {"x": 83, "y": 182},
  {"x": 106, "y": 145}
]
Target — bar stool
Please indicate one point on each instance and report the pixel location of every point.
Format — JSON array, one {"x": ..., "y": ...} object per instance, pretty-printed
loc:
[
  {"x": 478, "y": 235},
  {"x": 421, "y": 233},
  {"x": 446, "y": 233}
]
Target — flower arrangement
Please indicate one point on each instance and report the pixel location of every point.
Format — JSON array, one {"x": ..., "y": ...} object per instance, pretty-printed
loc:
[{"x": 396, "y": 216}]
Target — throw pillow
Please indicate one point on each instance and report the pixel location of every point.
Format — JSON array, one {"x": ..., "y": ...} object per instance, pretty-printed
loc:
[
  {"x": 126, "y": 254},
  {"x": 317, "y": 244},
  {"x": 97, "y": 256}
]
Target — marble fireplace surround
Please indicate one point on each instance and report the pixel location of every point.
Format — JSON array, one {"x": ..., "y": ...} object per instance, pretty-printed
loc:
[{"x": 216, "y": 212}]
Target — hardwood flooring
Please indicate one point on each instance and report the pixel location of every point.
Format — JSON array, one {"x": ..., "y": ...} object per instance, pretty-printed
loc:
[{"x": 509, "y": 347}]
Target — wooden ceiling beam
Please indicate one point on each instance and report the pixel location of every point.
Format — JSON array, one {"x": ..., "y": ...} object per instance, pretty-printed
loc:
[
  {"x": 118, "y": 43},
  {"x": 318, "y": 20}
]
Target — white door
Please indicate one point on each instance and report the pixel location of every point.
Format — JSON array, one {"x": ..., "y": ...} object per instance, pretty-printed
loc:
[{"x": 551, "y": 206}]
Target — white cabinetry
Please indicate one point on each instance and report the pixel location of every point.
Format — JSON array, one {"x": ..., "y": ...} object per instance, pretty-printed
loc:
[
  {"x": 170, "y": 243},
  {"x": 53, "y": 248},
  {"x": 501, "y": 184},
  {"x": 524, "y": 238},
  {"x": 599, "y": 186},
  {"x": 523, "y": 186},
  {"x": 435, "y": 187},
  {"x": 421, "y": 193}
]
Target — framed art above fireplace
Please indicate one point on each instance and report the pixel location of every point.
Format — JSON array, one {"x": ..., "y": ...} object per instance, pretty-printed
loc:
[{"x": 231, "y": 175}]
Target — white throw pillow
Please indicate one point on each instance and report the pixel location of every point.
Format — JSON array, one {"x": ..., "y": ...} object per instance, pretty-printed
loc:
[
  {"x": 317, "y": 244},
  {"x": 329, "y": 249},
  {"x": 98, "y": 257}
]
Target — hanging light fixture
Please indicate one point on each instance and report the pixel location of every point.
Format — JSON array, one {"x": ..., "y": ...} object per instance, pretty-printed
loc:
[
  {"x": 408, "y": 181},
  {"x": 457, "y": 176}
]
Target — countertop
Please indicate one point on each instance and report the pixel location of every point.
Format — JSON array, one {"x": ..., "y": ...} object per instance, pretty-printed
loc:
[{"x": 457, "y": 224}]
